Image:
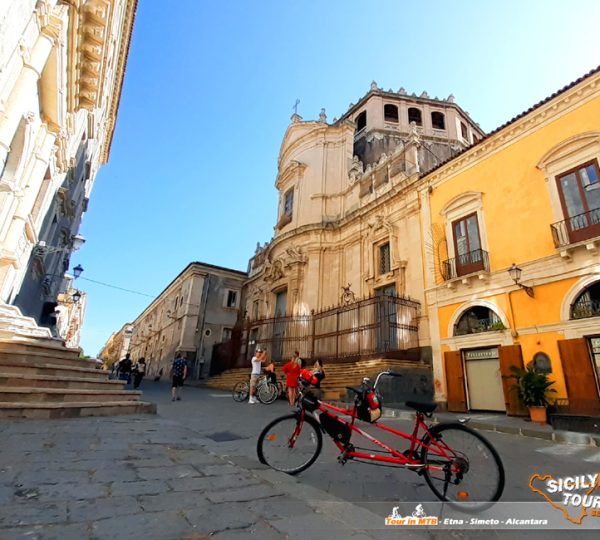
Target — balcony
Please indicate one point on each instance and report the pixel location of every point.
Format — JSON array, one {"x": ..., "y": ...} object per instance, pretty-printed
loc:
[
  {"x": 576, "y": 228},
  {"x": 468, "y": 263}
]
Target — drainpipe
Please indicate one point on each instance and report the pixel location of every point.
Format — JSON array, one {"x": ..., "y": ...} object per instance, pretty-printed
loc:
[
  {"x": 200, "y": 327},
  {"x": 513, "y": 332}
]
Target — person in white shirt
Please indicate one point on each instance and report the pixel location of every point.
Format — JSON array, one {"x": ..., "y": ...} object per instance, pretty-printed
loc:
[{"x": 257, "y": 361}]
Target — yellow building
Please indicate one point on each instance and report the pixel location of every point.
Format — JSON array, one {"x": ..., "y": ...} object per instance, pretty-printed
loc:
[{"x": 528, "y": 194}]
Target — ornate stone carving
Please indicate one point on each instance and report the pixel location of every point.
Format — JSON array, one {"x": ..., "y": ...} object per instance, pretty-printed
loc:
[
  {"x": 296, "y": 118},
  {"x": 424, "y": 94},
  {"x": 348, "y": 297},
  {"x": 402, "y": 91},
  {"x": 323, "y": 116},
  {"x": 374, "y": 86},
  {"x": 450, "y": 98},
  {"x": 274, "y": 272},
  {"x": 294, "y": 255},
  {"x": 356, "y": 169},
  {"x": 414, "y": 137}
]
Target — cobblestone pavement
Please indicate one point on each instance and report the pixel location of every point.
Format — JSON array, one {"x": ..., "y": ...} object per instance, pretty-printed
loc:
[{"x": 171, "y": 477}]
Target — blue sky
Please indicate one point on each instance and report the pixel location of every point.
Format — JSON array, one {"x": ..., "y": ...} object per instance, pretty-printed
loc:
[{"x": 208, "y": 95}]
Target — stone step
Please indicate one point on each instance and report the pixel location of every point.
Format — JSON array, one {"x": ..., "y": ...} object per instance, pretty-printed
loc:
[
  {"x": 30, "y": 357},
  {"x": 38, "y": 345},
  {"x": 16, "y": 366},
  {"x": 57, "y": 381},
  {"x": 53, "y": 395},
  {"x": 44, "y": 411}
]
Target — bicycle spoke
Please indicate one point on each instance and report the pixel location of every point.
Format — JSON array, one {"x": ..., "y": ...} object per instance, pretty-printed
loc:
[
  {"x": 462, "y": 467},
  {"x": 289, "y": 445}
]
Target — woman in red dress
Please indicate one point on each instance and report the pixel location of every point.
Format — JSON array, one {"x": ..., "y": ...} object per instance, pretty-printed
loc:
[{"x": 292, "y": 371}]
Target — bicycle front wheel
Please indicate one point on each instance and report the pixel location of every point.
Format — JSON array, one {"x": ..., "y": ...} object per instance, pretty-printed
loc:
[
  {"x": 267, "y": 393},
  {"x": 290, "y": 444},
  {"x": 462, "y": 467},
  {"x": 241, "y": 391}
]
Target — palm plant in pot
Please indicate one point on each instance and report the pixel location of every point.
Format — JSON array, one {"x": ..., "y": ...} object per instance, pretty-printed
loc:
[{"x": 533, "y": 387}]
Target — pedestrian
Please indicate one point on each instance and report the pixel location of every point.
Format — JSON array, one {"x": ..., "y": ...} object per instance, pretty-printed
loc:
[
  {"x": 139, "y": 370},
  {"x": 270, "y": 372},
  {"x": 260, "y": 356},
  {"x": 124, "y": 368},
  {"x": 319, "y": 373},
  {"x": 292, "y": 370},
  {"x": 179, "y": 371}
]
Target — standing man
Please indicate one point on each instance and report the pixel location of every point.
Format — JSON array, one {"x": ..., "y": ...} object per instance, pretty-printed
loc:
[
  {"x": 257, "y": 361},
  {"x": 125, "y": 366},
  {"x": 179, "y": 371}
]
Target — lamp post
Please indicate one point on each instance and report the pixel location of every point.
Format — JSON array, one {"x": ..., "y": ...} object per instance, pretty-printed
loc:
[
  {"x": 515, "y": 273},
  {"x": 75, "y": 244}
]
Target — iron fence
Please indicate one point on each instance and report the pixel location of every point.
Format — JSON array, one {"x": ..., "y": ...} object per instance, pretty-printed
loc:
[{"x": 365, "y": 328}]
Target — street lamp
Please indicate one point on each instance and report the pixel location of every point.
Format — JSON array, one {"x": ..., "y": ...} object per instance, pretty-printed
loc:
[
  {"x": 76, "y": 296},
  {"x": 76, "y": 242},
  {"x": 515, "y": 273},
  {"x": 77, "y": 271}
]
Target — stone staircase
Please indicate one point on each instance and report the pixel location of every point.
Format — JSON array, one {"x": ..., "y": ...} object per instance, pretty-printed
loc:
[
  {"x": 338, "y": 376},
  {"x": 41, "y": 379}
]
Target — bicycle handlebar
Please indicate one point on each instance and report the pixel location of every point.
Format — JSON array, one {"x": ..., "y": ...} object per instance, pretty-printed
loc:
[{"x": 387, "y": 372}]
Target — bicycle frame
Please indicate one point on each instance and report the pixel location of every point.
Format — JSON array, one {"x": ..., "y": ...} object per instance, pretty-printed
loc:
[{"x": 397, "y": 458}]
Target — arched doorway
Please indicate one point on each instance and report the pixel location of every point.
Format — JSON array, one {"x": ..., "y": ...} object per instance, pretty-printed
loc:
[{"x": 478, "y": 370}]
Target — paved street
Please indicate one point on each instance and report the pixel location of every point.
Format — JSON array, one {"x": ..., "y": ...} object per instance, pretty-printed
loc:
[{"x": 191, "y": 471}]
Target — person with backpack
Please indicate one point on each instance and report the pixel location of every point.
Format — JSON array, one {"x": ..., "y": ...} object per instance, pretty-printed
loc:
[
  {"x": 124, "y": 368},
  {"x": 319, "y": 373},
  {"x": 179, "y": 371},
  {"x": 139, "y": 370}
]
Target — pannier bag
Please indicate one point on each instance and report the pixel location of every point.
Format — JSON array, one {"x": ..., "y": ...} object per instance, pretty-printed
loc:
[
  {"x": 307, "y": 377},
  {"x": 369, "y": 406},
  {"x": 335, "y": 428},
  {"x": 310, "y": 402}
]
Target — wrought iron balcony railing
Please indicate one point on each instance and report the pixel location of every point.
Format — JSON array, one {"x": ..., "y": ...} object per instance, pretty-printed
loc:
[
  {"x": 467, "y": 263},
  {"x": 583, "y": 309},
  {"x": 475, "y": 326},
  {"x": 576, "y": 228}
]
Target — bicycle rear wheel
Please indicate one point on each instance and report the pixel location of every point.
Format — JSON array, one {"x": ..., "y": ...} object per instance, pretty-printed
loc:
[
  {"x": 241, "y": 391},
  {"x": 290, "y": 443},
  {"x": 267, "y": 393},
  {"x": 462, "y": 467}
]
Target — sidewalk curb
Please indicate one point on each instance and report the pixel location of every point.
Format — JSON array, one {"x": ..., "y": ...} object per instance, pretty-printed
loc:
[{"x": 561, "y": 437}]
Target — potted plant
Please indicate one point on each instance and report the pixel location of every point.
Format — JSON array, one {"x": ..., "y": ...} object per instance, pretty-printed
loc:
[{"x": 533, "y": 386}]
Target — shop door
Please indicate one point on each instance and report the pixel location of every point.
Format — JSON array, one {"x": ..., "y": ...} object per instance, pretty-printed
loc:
[
  {"x": 511, "y": 355},
  {"x": 484, "y": 380},
  {"x": 580, "y": 378},
  {"x": 455, "y": 382}
]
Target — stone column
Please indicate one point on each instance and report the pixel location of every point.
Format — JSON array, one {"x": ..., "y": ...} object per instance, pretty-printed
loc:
[{"x": 25, "y": 88}]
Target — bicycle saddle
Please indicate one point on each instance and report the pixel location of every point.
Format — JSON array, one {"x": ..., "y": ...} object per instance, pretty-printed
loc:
[
  {"x": 422, "y": 407},
  {"x": 357, "y": 391}
]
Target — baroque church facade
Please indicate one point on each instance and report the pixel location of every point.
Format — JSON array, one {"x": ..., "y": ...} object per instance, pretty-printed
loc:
[{"x": 349, "y": 229}]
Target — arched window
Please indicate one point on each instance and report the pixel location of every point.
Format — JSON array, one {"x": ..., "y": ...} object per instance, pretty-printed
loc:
[
  {"x": 390, "y": 113},
  {"x": 437, "y": 120},
  {"x": 414, "y": 115},
  {"x": 587, "y": 303},
  {"x": 361, "y": 121},
  {"x": 477, "y": 319}
]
